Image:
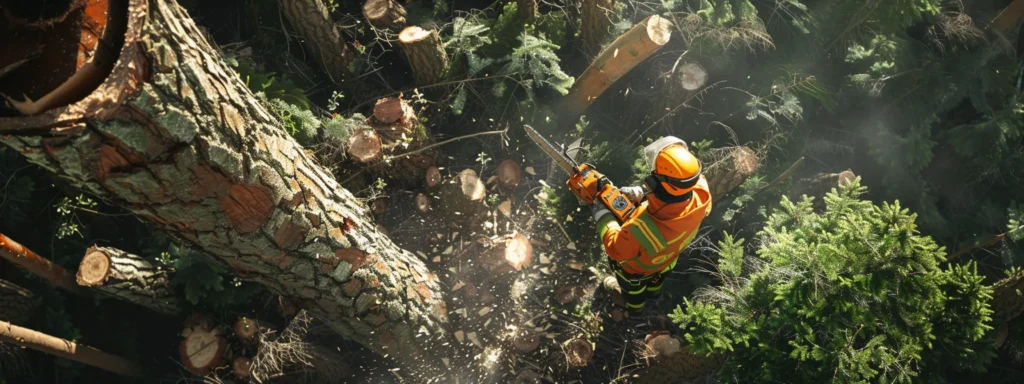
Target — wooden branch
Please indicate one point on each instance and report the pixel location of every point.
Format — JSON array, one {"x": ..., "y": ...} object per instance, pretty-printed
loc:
[
  {"x": 128, "y": 277},
  {"x": 595, "y": 21},
  {"x": 385, "y": 14},
  {"x": 725, "y": 175},
  {"x": 619, "y": 58},
  {"x": 311, "y": 19},
  {"x": 37, "y": 265},
  {"x": 10, "y": 333},
  {"x": 17, "y": 305},
  {"x": 424, "y": 53},
  {"x": 967, "y": 250},
  {"x": 1009, "y": 18}
]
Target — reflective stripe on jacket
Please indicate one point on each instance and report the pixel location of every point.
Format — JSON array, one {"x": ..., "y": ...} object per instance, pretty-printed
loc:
[{"x": 651, "y": 241}]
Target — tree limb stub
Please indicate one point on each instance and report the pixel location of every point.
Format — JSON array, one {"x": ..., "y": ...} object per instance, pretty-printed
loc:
[
  {"x": 596, "y": 18},
  {"x": 322, "y": 36},
  {"x": 37, "y": 265},
  {"x": 385, "y": 14},
  {"x": 17, "y": 304},
  {"x": 424, "y": 53},
  {"x": 10, "y": 333},
  {"x": 128, "y": 277},
  {"x": 630, "y": 49},
  {"x": 176, "y": 137}
]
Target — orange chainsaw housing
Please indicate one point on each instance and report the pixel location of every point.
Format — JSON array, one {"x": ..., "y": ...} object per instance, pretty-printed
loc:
[{"x": 586, "y": 184}]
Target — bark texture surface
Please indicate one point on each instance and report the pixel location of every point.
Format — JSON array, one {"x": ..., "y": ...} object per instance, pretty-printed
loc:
[
  {"x": 424, "y": 53},
  {"x": 727, "y": 173},
  {"x": 595, "y": 18},
  {"x": 174, "y": 136},
  {"x": 385, "y": 14},
  {"x": 1007, "y": 300},
  {"x": 311, "y": 19},
  {"x": 128, "y": 277},
  {"x": 16, "y": 303}
]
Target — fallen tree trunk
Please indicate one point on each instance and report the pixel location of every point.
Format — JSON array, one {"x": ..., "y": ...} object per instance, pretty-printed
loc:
[
  {"x": 311, "y": 19},
  {"x": 37, "y": 265},
  {"x": 424, "y": 53},
  {"x": 67, "y": 349},
  {"x": 595, "y": 21},
  {"x": 731, "y": 170},
  {"x": 175, "y": 137},
  {"x": 633, "y": 47},
  {"x": 17, "y": 305},
  {"x": 128, "y": 277},
  {"x": 387, "y": 15}
]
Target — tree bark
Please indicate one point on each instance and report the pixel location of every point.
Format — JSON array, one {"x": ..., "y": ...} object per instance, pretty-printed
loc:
[
  {"x": 10, "y": 333},
  {"x": 1009, "y": 18},
  {"x": 424, "y": 53},
  {"x": 16, "y": 303},
  {"x": 633, "y": 47},
  {"x": 128, "y": 277},
  {"x": 527, "y": 10},
  {"x": 37, "y": 265},
  {"x": 311, "y": 19},
  {"x": 385, "y": 14},
  {"x": 1007, "y": 300},
  {"x": 730, "y": 171},
  {"x": 596, "y": 18},
  {"x": 175, "y": 137}
]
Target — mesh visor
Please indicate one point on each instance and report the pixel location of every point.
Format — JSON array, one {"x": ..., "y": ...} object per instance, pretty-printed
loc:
[{"x": 652, "y": 150}]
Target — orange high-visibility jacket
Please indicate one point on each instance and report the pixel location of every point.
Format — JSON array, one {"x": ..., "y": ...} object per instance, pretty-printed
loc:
[{"x": 650, "y": 241}]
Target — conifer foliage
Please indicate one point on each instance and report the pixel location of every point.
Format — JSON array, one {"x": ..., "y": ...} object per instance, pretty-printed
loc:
[{"x": 852, "y": 294}]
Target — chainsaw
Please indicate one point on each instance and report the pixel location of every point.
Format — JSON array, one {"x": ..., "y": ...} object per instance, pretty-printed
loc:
[{"x": 585, "y": 181}]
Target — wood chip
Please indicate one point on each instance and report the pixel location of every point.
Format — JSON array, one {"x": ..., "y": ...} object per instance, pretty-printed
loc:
[
  {"x": 545, "y": 270},
  {"x": 484, "y": 311},
  {"x": 472, "y": 337},
  {"x": 437, "y": 259},
  {"x": 492, "y": 180},
  {"x": 531, "y": 171},
  {"x": 505, "y": 207},
  {"x": 544, "y": 259},
  {"x": 458, "y": 286},
  {"x": 447, "y": 251},
  {"x": 460, "y": 336},
  {"x": 571, "y": 246},
  {"x": 576, "y": 264}
]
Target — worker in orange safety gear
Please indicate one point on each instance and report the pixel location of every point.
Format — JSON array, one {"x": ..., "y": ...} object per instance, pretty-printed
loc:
[{"x": 645, "y": 247}]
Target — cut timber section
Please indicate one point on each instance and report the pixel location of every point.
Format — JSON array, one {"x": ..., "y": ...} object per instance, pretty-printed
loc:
[
  {"x": 67, "y": 349},
  {"x": 322, "y": 36},
  {"x": 204, "y": 347},
  {"x": 738, "y": 164},
  {"x": 424, "y": 53},
  {"x": 128, "y": 277},
  {"x": 399, "y": 132},
  {"x": 385, "y": 14},
  {"x": 16, "y": 303},
  {"x": 596, "y": 18},
  {"x": 630, "y": 49},
  {"x": 37, "y": 265},
  {"x": 174, "y": 136}
]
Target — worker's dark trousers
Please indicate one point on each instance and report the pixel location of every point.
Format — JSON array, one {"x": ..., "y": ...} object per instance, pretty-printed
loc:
[{"x": 637, "y": 288}]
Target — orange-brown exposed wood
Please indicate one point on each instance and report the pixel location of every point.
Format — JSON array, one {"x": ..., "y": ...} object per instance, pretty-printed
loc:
[
  {"x": 385, "y": 14},
  {"x": 128, "y": 277},
  {"x": 1009, "y": 18},
  {"x": 424, "y": 53},
  {"x": 615, "y": 61},
  {"x": 10, "y": 333},
  {"x": 37, "y": 265}
]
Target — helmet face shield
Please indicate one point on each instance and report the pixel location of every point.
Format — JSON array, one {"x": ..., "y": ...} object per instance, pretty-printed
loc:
[{"x": 652, "y": 150}]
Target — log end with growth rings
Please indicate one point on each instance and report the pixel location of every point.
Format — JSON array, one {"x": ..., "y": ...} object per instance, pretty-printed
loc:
[
  {"x": 413, "y": 34},
  {"x": 388, "y": 110},
  {"x": 509, "y": 174},
  {"x": 246, "y": 329},
  {"x": 578, "y": 352},
  {"x": 659, "y": 30},
  {"x": 94, "y": 269},
  {"x": 204, "y": 346},
  {"x": 433, "y": 177},
  {"x": 364, "y": 146},
  {"x": 692, "y": 76}
]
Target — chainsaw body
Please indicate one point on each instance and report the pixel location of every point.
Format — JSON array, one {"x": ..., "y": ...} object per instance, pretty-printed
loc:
[{"x": 592, "y": 187}]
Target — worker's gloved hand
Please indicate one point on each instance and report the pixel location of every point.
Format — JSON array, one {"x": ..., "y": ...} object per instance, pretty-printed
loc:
[
  {"x": 635, "y": 194},
  {"x": 597, "y": 210}
]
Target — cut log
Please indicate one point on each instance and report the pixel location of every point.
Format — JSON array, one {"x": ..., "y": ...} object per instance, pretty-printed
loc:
[
  {"x": 433, "y": 177},
  {"x": 173, "y": 136},
  {"x": 511, "y": 253},
  {"x": 204, "y": 346},
  {"x": 422, "y": 203},
  {"x": 424, "y": 53},
  {"x": 67, "y": 349},
  {"x": 385, "y": 14},
  {"x": 17, "y": 305},
  {"x": 526, "y": 342},
  {"x": 128, "y": 277},
  {"x": 681, "y": 367},
  {"x": 731, "y": 170},
  {"x": 596, "y": 18},
  {"x": 662, "y": 346},
  {"x": 321, "y": 35},
  {"x": 509, "y": 174},
  {"x": 24, "y": 258},
  {"x": 692, "y": 76},
  {"x": 364, "y": 147},
  {"x": 389, "y": 109},
  {"x": 241, "y": 367},
  {"x": 247, "y": 329},
  {"x": 630, "y": 49},
  {"x": 462, "y": 196},
  {"x": 578, "y": 352},
  {"x": 527, "y": 10}
]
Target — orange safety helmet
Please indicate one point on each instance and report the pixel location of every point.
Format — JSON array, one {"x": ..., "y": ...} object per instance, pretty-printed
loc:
[{"x": 672, "y": 166}]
